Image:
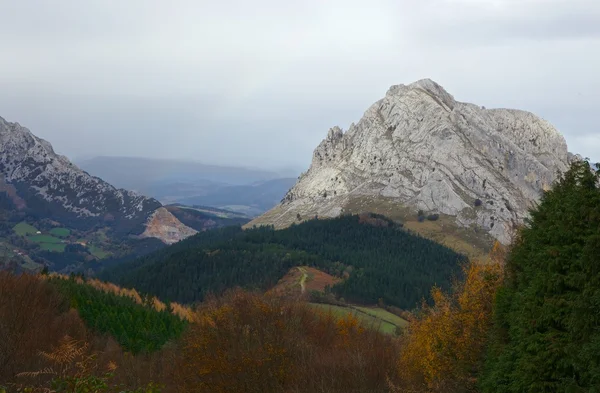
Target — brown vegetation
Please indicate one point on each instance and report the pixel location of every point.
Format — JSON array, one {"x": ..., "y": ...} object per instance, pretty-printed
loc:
[
  {"x": 444, "y": 345},
  {"x": 33, "y": 316},
  {"x": 256, "y": 343}
]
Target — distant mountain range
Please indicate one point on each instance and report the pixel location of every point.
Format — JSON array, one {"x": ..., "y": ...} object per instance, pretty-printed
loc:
[
  {"x": 245, "y": 190},
  {"x": 56, "y": 214}
]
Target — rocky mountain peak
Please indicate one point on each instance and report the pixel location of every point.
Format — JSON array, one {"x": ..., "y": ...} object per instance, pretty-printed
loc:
[
  {"x": 40, "y": 179},
  {"x": 420, "y": 148}
]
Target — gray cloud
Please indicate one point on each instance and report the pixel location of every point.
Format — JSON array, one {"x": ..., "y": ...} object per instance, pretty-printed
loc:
[{"x": 259, "y": 83}]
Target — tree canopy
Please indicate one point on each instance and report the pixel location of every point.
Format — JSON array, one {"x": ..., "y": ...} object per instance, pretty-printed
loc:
[{"x": 547, "y": 315}]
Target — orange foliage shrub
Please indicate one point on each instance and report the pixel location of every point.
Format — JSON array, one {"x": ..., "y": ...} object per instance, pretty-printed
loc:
[
  {"x": 442, "y": 349},
  {"x": 247, "y": 342},
  {"x": 33, "y": 316}
]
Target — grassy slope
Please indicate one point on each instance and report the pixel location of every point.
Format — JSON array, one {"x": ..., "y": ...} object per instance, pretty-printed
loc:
[
  {"x": 60, "y": 232},
  {"x": 24, "y": 229},
  {"x": 374, "y": 317},
  {"x": 472, "y": 242}
]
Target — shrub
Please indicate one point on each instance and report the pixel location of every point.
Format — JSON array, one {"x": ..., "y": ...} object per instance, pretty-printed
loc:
[
  {"x": 33, "y": 316},
  {"x": 258, "y": 343},
  {"x": 478, "y": 202},
  {"x": 433, "y": 217}
]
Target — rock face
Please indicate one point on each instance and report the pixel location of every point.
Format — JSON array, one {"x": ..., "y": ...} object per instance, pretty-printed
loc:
[
  {"x": 49, "y": 185},
  {"x": 163, "y": 225},
  {"x": 422, "y": 148}
]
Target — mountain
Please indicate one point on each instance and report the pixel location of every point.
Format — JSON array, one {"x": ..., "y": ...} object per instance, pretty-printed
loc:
[
  {"x": 246, "y": 190},
  {"x": 449, "y": 169},
  {"x": 65, "y": 203},
  {"x": 139, "y": 172},
  {"x": 50, "y": 184},
  {"x": 202, "y": 218},
  {"x": 251, "y": 199}
]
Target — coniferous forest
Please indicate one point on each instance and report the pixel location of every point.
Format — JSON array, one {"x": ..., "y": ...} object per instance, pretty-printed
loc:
[
  {"x": 377, "y": 262},
  {"x": 136, "y": 327},
  {"x": 526, "y": 320}
]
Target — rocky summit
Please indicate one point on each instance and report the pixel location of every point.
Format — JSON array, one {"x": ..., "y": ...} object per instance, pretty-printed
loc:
[
  {"x": 419, "y": 149},
  {"x": 48, "y": 185}
]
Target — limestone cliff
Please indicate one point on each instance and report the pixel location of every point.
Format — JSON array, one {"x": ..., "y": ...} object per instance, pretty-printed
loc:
[{"x": 421, "y": 148}]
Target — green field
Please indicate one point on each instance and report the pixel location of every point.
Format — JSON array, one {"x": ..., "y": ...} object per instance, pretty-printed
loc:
[
  {"x": 57, "y": 247},
  {"x": 24, "y": 229},
  {"x": 44, "y": 239},
  {"x": 48, "y": 242},
  {"x": 98, "y": 252},
  {"x": 384, "y": 315},
  {"x": 60, "y": 232},
  {"x": 377, "y": 318}
]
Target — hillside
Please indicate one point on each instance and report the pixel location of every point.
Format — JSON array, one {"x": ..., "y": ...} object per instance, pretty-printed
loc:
[
  {"x": 53, "y": 213},
  {"x": 376, "y": 258},
  {"x": 419, "y": 149},
  {"x": 202, "y": 218}
]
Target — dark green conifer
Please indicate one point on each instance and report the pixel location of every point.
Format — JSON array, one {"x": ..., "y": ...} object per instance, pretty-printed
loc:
[{"x": 547, "y": 317}]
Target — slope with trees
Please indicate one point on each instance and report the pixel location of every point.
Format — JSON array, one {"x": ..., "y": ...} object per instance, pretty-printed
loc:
[{"x": 377, "y": 262}]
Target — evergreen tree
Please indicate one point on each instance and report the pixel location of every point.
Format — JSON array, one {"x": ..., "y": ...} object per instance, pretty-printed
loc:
[
  {"x": 547, "y": 316},
  {"x": 382, "y": 261}
]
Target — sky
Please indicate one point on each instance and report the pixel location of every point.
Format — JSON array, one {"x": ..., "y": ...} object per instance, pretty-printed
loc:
[{"x": 258, "y": 83}]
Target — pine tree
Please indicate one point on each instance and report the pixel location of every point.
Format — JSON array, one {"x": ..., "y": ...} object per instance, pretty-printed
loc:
[{"x": 547, "y": 316}]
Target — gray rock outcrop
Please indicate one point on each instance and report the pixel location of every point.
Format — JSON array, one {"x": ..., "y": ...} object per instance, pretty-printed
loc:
[
  {"x": 35, "y": 177},
  {"x": 421, "y": 147}
]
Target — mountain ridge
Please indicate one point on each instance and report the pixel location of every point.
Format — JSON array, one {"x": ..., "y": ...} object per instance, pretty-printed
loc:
[
  {"x": 422, "y": 149},
  {"x": 49, "y": 185}
]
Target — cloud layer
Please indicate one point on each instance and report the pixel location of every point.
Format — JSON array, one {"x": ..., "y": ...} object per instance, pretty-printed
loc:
[{"x": 259, "y": 83}]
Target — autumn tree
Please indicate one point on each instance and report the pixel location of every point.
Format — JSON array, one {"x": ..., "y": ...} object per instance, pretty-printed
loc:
[
  {"x": 443, "y": 346},
  {"x": 33, "y": 316},
  {"x": 260, "y": 343}
]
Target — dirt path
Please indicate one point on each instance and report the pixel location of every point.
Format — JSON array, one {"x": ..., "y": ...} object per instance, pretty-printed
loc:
[{"x": 303, "y": 279}]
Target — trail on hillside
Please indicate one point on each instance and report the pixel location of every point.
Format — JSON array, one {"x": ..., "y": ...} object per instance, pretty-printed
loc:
[{"x": 303, "y": 279}]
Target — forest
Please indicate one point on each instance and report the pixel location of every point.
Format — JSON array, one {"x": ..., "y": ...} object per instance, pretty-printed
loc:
[
  {"x": 136, "y": 327},
  {"x": 376, "y": 261},
  {"x": 525, "y": 320}
]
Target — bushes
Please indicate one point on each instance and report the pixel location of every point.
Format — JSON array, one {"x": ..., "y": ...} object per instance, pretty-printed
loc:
[
  {"x": 257, "y": 343},
  {"x": 33, "y": 316}
]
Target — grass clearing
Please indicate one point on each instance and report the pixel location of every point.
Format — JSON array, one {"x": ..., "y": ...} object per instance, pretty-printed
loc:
[
  {"x": 48, "y": 242},
  {"x": 369, "y": 320},
  {"x": 24, "y": 229},
  {"x": 98, "y": 252},
  {"x": 56, "y": 247},
  {"x": 44, "y": 239},
  {"x": 60, "y": 232},
  {"x": 384, "y": 315}
]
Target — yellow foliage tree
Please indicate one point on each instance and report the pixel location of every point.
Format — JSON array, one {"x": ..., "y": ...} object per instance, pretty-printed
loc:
[{"x": 444, "y": 343}]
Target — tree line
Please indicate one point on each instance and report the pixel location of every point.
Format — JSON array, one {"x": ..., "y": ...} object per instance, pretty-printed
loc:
[{"x": 377, "y": 262}]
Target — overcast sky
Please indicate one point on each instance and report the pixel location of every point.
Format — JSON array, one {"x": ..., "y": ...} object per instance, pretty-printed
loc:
[{"x": 260, "y": 82}]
